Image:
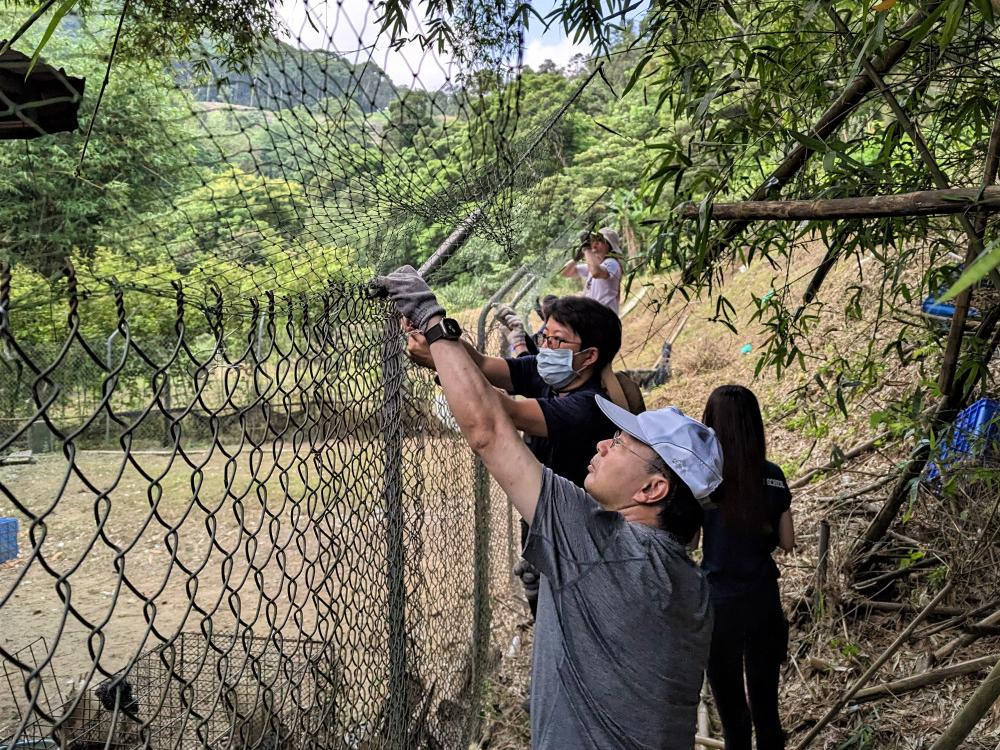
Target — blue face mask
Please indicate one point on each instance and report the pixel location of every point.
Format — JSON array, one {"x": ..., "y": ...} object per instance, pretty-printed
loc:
[{"x": 555, "y": 367}]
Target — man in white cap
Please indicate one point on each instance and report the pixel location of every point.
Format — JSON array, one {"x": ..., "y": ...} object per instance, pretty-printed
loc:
[
  {"x": 602, "y": 275},
  {"x": 624, "y": 622}
]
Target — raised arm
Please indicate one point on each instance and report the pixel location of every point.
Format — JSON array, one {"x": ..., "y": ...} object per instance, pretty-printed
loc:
[
  {"x": 494, "y": 368},
  {"x": 473, "y": 401},
  {"x": 594, "y": 265},
  {"x": 569, "y": 270}
]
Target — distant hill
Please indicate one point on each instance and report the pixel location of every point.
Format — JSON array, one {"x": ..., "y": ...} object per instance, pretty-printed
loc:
[{"x": 283, "y": 76}]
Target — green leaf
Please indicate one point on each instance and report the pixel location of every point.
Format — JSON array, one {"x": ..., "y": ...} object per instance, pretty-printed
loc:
[
  {"x": 61, "y": 11},
  {"x": 981, "y": 266},
  {"x": 985, "y": 8},
  {"x": 637, "y": 72},
  {"x": 952, "y": 19},
  {"x": 808, "y": 141}
]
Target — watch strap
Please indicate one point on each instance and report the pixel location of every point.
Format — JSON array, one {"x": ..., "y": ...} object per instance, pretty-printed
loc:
[{"x": 439, "y": 331}]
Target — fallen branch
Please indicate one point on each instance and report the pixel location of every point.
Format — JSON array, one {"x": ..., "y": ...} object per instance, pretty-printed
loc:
[
  {"x": 930, "y": 677},
  {"x": 870, "y": 672},
  {"x": 709, "y": 742},
  {"x": 906, "y": 608},
  {"x": 854, "y": 452},
  {"x": 960, "y": 619},
  {"x": 891, "y": 575},
  {"x": 964, "y": 640},
  {"x": 837, "y": 499},
  {"x": 923, "y": 203}
]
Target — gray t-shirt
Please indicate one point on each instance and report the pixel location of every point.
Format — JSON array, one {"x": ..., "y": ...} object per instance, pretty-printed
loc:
[
  {"x": 606, "y": 291},
  {"x": 622, "y": 632}
]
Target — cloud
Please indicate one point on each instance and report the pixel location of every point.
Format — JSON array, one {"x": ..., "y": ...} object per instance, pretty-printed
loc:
[
  {"x": 559, "y": 51},
  {"x": 350, "y": 29}
]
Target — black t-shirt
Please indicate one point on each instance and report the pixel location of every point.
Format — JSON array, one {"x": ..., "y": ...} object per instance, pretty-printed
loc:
[
  {"x": 574, "y": 421},
  {"x": 737, "y": 563}
]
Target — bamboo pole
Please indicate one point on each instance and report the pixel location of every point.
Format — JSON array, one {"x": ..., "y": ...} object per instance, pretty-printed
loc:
[
  {"x": 980, "y": 702},
  {"x": 930, "y": 677},
  {"x": 870, "y": 672},
  {"x": 922, "y": 203}
]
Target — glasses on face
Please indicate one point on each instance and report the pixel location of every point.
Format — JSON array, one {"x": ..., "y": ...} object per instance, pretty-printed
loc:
[
  {"x": 552, "y": 342},
  {"x": 617, "y": 442}
]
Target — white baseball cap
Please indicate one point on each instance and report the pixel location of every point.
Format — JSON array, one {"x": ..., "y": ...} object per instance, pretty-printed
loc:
[{"x": 685, "y": 445}]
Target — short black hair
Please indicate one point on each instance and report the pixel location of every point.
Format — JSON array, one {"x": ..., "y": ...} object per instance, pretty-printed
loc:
[
  {"x": 681, "y": 514},
  {"x": 546, "y": 304},
  {"x": 596, "y": 325}
]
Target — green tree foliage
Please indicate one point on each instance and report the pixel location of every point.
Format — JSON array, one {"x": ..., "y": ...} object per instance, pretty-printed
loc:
[{"x": 138, "y": 156}]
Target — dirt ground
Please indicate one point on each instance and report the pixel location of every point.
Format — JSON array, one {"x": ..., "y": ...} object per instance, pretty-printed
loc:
[{"x": 278, "y": 542}]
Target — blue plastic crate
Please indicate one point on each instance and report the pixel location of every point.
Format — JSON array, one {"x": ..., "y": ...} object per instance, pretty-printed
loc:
[
  {"x": 8, "y": 539},
  {"x": 977, "y": 430}
]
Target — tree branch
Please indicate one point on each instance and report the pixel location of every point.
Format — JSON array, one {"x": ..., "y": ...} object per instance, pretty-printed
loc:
[
  {"x": 855, "y": 93},
  {"x": 922, "y": 203}
]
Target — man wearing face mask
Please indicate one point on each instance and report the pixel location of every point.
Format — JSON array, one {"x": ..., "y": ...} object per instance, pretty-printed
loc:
[
  {"x": 558, "y": 413},
  {"x": 558, "y": 410}
]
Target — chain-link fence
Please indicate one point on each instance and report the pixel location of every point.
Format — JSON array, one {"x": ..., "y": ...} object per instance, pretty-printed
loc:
[{"x": 265, "y": 532}]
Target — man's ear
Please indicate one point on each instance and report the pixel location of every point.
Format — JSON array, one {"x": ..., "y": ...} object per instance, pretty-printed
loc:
[
  {"x": 589, "y": 357},
  {"x": 655, "y": 490}
]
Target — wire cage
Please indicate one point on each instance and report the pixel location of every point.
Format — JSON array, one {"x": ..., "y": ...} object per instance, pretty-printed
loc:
[{"x": 223, "y": 691}]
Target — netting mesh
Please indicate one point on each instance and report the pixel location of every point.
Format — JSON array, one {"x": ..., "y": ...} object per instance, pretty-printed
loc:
[
  {"x": 243, "y": 519},
  {"x": 290, "y": 544}
]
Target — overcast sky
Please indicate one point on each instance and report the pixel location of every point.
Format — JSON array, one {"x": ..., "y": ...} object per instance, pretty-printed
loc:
[{"x": 348, "y": 28}]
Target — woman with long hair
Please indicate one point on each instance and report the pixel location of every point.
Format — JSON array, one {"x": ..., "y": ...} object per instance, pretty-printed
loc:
[{"x": 752, "y": 518}]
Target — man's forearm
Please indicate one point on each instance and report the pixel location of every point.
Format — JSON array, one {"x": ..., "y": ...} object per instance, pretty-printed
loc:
[
  {"x": 595, "y": 268},
  {"x": 473, "y": 401}
]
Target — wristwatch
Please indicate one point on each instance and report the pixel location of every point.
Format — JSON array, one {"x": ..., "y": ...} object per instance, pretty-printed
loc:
[{"x": 447, "y": 329}]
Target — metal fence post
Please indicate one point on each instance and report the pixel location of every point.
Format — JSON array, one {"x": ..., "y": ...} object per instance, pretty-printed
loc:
[
  {"x": 481, "y": 544},
  {"x": 392, "y": 432}
]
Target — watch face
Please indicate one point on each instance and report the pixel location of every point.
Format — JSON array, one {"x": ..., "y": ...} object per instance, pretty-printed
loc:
[{"x": 451, "y": 328}]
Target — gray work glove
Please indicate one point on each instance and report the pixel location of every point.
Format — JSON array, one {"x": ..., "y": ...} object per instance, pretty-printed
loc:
[
  {"x": 413, "y": 298},
  {"x": 514, "y": 325},
  {"x": 510, "y": 319}
]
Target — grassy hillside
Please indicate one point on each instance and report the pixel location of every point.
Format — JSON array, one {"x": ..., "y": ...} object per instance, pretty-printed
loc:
[{"x": 945, "y": 532}]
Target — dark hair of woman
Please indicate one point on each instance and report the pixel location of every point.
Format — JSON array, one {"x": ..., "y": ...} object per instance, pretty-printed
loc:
[
  {"x": 733, "y": 412},
  {"x": 680, "y": 514}
]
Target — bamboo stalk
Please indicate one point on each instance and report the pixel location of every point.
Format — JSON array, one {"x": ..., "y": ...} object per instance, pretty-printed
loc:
[
  {"x": 980, "y": 702},
  {"x": 930, "y": 677},
  {"x": 870, "y": 672},
  {"x": 941, "y": 202}
]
